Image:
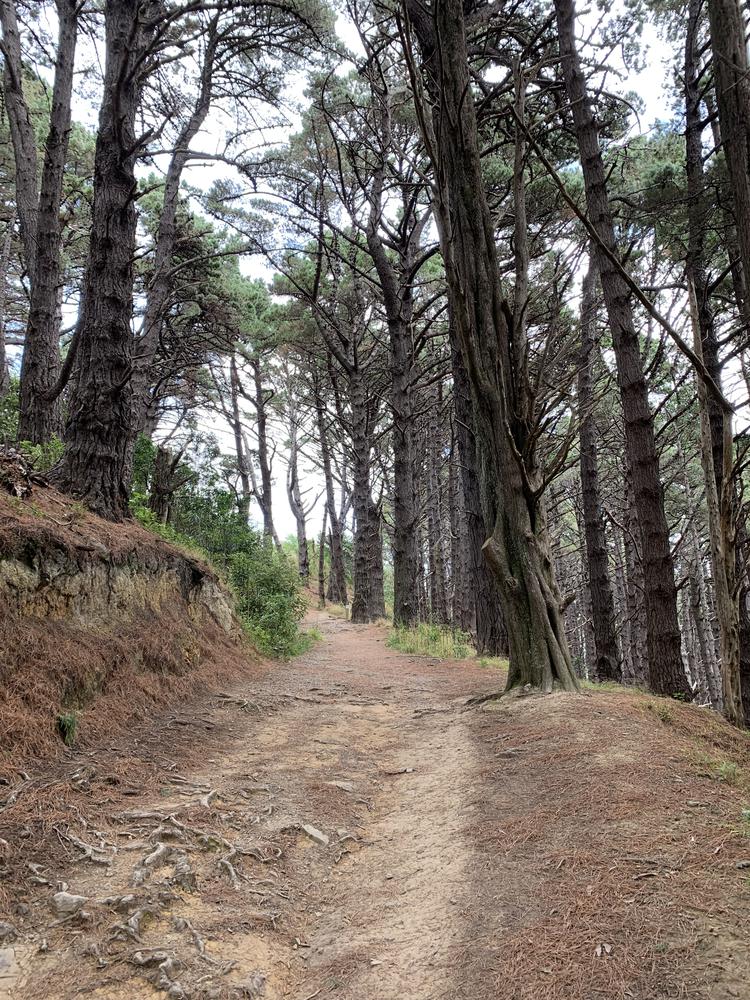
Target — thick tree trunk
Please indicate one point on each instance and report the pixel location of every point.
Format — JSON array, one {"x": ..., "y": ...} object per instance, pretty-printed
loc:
[
  {"x": 517, "y": 549},
  {"x": 732, "y": 85},
  {"x": 39, "y": 414},
  {"x": 94, "y": 464},
  {"x": 607, "y": 664},
  {"x": 666, "y": 674},
  {"x": 489, "y": 632},
  {"x": 398, "y": 304}
]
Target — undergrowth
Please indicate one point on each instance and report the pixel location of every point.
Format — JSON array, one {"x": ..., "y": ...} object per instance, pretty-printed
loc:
[
  {"x": 426, "y": 639},
  {"x": 204, "y": 520}
]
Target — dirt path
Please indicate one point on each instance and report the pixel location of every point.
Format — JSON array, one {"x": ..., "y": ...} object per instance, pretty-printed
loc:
[{"x": 350, "y": 829}]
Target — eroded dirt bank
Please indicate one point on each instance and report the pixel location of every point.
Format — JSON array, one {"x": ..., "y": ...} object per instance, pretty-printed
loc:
[{"x": 346, "y": 827}]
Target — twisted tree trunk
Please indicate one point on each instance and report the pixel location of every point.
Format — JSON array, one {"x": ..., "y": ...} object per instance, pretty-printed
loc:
[{"x": 517, "y": 549}]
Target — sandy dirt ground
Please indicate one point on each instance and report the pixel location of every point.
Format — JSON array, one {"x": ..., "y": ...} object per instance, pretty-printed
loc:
[{"x": 347, "y": 826}]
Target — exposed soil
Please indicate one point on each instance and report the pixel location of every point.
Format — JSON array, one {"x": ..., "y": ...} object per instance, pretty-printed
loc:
[{"x": 557, "y": 847}]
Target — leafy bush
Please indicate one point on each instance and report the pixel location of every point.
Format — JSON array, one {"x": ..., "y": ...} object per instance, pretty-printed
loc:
[
  {"x": 268, "y": 598},
  {"x": 426, "y": 639},
  {"x": 42, "y": 457}
]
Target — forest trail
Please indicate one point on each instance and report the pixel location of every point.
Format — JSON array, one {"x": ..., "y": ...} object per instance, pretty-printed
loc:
[{"x": 555, "y": 847}]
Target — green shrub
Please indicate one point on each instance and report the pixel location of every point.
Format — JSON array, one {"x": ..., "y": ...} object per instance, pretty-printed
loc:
[
  {"x": 268, "y": 599},
  {"x": 204, "y": 519}
]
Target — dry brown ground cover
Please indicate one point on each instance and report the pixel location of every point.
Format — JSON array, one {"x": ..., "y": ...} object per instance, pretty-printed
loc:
[{"x": 559, "y": 847}]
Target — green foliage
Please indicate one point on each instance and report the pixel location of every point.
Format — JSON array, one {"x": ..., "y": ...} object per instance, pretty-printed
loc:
[
  {"x": 42, "y": 457},
  {"x": 662, "y": 711},
  {"x": 205, "y": 521},
  {"x": 268, "y": 598},
  {"x": 492, "y": 662},
  {"x": 9, "y": 413},
  {"x": 426, "y": 639},
  {"x": 728, "y": 772},
  {"x": 67, "y": 727}
]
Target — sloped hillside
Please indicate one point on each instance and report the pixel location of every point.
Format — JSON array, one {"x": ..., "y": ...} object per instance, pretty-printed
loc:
[{"x": 99, "y": 623}]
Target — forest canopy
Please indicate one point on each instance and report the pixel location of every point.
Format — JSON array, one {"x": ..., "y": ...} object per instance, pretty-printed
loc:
[{"x": 420, "y": 281}]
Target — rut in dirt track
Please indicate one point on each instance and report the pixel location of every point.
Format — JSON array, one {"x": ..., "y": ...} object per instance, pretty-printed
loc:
[{"x": 356, "y": 832}]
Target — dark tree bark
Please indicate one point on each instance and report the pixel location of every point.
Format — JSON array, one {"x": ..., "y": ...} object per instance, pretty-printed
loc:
[
  {"x": 94, "y": 464},
  {"x": 22, "y": 135},
  {"x": 322, "y": 560},
  {"x": 41, "y": 229},
  {"x": 367, "y": 600},
  {"x": 337, "y": 574},
  {"x": 396, "y": 286},
  {"x": 607, "y": 664},
  {"x": 666, "y": 674},
  {"x": 488, "y": 630},
  {"x": 732, "y": 82},
  {"x": 39, "y": 411},
  {"x": 732, "y": 86},
  {"x": 517, "y": 549}
]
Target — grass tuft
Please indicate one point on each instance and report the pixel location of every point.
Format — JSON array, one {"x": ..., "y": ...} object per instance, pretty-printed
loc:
[
  {"x": 67, "y": 727},
  {"x": 426, "y": 639}
]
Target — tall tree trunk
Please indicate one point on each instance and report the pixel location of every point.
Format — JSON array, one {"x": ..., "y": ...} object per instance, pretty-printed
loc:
[
  {"x": 39, "y": 412},
  {"x": 159, "y": 290},
  {"x": 489, "y": 632},
  {"x": 23, "y": 135},
  {"x": 666, "y": 674},
  {"x": 243, "y": 459},
  {"x": 732, "y": 81},
  {"x": 607, "y": 664},
  {"x": 94, "y": 464},
  {"x": 337, "y": 574},
  {"x": 296, "y": 504},
  {"x": 366, "y": 537},
  {"x": 438, "y": 592},
  {"x": 264, "y": 495},
  {"x": 517, "y": 549},
  {"x": 396, "y": 286},
  {"x": 322, "y": 560},
  {"x": 4, "y": 262}
]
